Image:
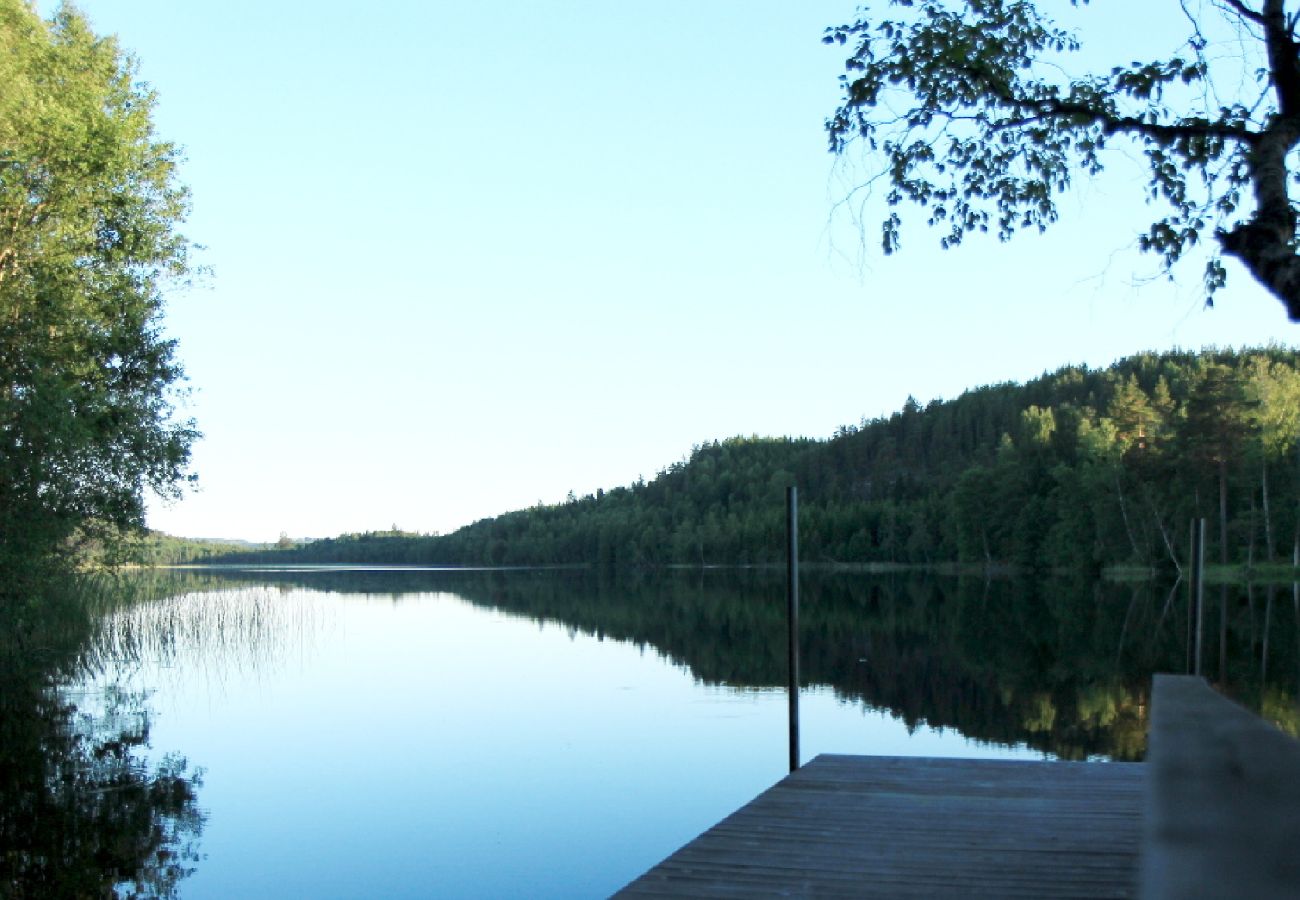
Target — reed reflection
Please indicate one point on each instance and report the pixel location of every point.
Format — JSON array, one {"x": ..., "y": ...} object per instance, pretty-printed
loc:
[
  {"x": 206, "y": 625},
  {"x": 83, "y": 812}
]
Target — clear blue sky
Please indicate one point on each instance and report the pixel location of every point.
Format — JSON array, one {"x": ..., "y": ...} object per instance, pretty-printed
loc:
[{"x": 469, "y": 256}]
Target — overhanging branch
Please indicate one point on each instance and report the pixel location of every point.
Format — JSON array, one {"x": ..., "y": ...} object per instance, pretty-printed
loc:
[
  {"x": 1049, "y": 110},
  {"x": 1245, "y": 11}
]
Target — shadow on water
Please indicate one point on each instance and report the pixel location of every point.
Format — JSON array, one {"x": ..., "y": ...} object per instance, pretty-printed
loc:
[
  {"x": 83, "y": 812},
  {"x": 1063, "y": 666}
]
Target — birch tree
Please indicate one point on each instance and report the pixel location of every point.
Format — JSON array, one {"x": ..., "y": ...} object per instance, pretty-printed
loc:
[{"x": 964, "y": 109}]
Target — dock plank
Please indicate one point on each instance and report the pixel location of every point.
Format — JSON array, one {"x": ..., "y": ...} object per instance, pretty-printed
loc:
[
  {"x": 854, "y": 826},
  {"x": 1223, "y": 812}
]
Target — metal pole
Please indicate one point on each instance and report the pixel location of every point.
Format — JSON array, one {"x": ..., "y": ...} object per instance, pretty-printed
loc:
[
  {"x": 792, "y": 614},
  {"x": 1191, "y": 596},
  {"x": 1200, "y": 591}
]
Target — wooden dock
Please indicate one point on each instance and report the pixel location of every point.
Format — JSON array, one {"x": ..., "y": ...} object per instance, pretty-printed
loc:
[
  {"x": 862, "y": 826},
  {"x": 1214, "y": 813},
  {"x": 1223, "y": 804}
]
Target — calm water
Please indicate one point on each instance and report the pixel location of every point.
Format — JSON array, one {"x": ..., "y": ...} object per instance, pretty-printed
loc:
[{"x": 405, "y": 733}]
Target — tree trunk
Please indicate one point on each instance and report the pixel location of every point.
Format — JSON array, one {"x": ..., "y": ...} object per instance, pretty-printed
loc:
[
  {"x": 1268, "y": 623},
  {"x": 1250, "y": 606},
  {"x": 1250, "y": 542},
  {"x": 1164, "y": 536},
  {"x": 1123, "y": 510},
  {"x": 1265, "y": 243},
  {"x": 1223, "y": 634},
  {"x": 1223, "y": 512},
  {"x": 1268, "y": 256},
  {"x": 1268, "y": 521}
]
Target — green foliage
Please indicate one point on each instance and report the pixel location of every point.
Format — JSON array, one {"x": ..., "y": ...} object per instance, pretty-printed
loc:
[
  {"x": 1078, "y": 469},
  {"x": 153, "y": 548},
  {"x": 89, "y": 206},
  {"x": 967, "y": 107}
]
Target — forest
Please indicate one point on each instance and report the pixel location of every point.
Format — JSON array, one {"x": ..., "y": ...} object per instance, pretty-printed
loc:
[{"x": 1079, "y": 469}]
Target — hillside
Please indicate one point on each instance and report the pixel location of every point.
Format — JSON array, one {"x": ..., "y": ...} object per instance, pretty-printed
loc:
[{"x": 1079, "y": 468}]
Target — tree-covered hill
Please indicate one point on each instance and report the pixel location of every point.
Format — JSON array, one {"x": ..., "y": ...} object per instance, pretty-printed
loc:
[{"x": 1079, "y": 468}]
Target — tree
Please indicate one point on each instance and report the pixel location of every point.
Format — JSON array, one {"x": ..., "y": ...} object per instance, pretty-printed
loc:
[
  {"x": 89, "y": 211},
  {"x": 967, "y": 103},
  {"x": 1273, "y": 392},
  {"x": 1218, "y": 425}
]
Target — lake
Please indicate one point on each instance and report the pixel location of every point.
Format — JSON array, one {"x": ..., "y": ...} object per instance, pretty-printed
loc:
[{"x": 414, "y": 733}]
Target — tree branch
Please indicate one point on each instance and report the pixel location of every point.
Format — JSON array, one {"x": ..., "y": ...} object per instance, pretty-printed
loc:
[
  {"x": 1283, "y": 60},
  {"x": 1132, "y": 125},
  {"x": 1265, "y": 243},
  {"x": 1245, "y": 11},
  {"x": 1059, "y": 109},
  {"x": 1059, "y": 124}
]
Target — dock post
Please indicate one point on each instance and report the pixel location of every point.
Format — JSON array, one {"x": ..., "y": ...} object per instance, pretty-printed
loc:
[
  {"x": 1190, "y": 637},
  {"x": 1199, "y": 576},
  {"x": 792, "y": 614}
]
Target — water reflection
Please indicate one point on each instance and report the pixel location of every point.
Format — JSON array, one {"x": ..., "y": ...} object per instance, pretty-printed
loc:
[
  {"x": 1061, "y": 665},
  {"x": 198, "y": 624},
  {"x": 407, "y": 727},
  {"x": 83, "y": 813}
]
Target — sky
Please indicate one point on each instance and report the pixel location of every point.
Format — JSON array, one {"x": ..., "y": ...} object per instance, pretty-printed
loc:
[{"x": 468, "y": 257}]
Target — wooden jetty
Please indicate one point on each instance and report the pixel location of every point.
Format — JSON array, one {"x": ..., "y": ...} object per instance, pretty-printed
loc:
[
  {"x": 1222, "y": 817},
  {"x": 857, "y": 826},
  {"x": 861, "y": 826}
]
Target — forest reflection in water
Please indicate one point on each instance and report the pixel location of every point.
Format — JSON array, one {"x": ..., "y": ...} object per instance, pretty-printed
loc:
[
  {"x": 1059, "y": 666},
  {"x": 84, "y": 812},
  {"x": 1063, "y": 666}
]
